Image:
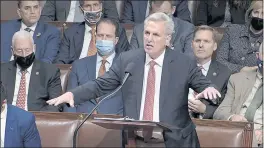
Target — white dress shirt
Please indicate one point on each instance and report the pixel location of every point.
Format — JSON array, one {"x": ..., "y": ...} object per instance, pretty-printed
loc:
[
  {"x": 33, "y": 28},
  {"x": 3, "y": 125},
  {"x": 204, "y": 71},
  {"x": 86, "y": 41},
  {"x": 17, "y": 84},
  {"x": 107, "y": 64},
  {"x": 71, "y": 14},
  {"x": 158, "y": 72}
]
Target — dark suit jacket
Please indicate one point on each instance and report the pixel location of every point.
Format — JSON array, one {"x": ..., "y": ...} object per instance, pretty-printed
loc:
[
  {"x": 219, "y": 75},
  {"x": 46, "y": 37},
  {"x": 58, "y": 10},
  {"x": 84, "y": 70},
  {"x": 21, "y": 129},
  {"x": 44, "y": 84},
  {"x": 181, "y": 38},
  {"x": 135, "y": 11},
  {"x": 209, "y": 14},
  {"x": 178, "y": 74},
  {"x": 72, "y": 43}
]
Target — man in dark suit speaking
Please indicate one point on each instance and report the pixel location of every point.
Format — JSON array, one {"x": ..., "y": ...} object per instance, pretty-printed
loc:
[{"x": 157, "y": 88}]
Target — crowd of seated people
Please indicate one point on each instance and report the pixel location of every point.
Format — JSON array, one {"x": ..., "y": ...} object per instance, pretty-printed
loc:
[{"x": 31, "y": 48}]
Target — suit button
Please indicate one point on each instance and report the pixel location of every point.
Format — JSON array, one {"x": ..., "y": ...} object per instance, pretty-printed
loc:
[{"x": 243, "y": 58}]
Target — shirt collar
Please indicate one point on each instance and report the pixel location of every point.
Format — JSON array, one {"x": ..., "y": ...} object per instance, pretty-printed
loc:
[
  {"x": 109, "y": 59},
  {"x": 29, "y": 69},
  {"x": 206, "y": 65},
  {"x": 87, "y": 28},
  {"x": 4, "y": 113},
  {"x": 33, "y": 27},
  {"x": 158, "y": 60}
]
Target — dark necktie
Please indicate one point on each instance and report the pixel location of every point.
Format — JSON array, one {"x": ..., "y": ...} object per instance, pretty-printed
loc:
[
  {"x": 254, "y": 105},
  {"x": 28, "y": 30}
]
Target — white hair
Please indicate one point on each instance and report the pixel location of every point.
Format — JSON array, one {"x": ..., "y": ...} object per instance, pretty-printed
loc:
[
  {"x": 22, "y": 34},
  {"x": 161, "y": 17}
]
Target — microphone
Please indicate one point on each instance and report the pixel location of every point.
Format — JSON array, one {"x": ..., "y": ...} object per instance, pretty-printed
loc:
[{"x": 128, "y": 69}]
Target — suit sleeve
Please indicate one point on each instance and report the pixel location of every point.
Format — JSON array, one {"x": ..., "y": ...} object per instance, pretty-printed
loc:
[
  {"x": 223, "y": 53},
  {"x": 223, "y": 112},
  {"x": 197, "y": 81},
  {"x": 31, "y": 134},
  {"x": 48, "y": 12},
  {"x": 182, "y": 10},
  {"x": 210, "y": 109},
  {"x": 134, "y": 41},
  {"x": 127, "y": 16},
  {"x": 101, "y": 86},
  {"x": 54, "y": 90},
  {"x": 123, "y": 44},
  {"x": 64, "y": 51},
  {"x": 202, "y": 13},
  {"x": 110, "y": 10},
  {"x": 52, "y": 46},
  {"x": 188, "y": 50}
]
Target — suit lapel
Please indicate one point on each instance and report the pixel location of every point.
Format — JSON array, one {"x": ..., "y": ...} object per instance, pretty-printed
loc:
[
  {"x": 12, "y": 69},
  {"x": 37, "y": 38},
  {"x": 34, "y": 79},
  {"x": 213, "y": 71},
  {"x": 165, "y": 77},
  {"x": 245, "y": 90},
  {"x": 139, "y": 76},
  {"x": 91, "y": 67},
  {"x": 10, "y": 130},
  {"x": 79, "y": 39}
]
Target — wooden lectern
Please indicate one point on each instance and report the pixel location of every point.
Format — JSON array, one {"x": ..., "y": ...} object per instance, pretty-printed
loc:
[{"x": 129, "y": 126}]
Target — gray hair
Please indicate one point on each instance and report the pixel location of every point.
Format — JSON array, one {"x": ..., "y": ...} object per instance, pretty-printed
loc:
[
  {"x": 22, "y": 34},
  {"x": 204, "y": 28},
  {"x": 161, "y": 17}
]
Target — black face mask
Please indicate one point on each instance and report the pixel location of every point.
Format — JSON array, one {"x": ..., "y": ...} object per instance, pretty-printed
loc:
[
  {"x": 257, "y": 23},
  {"x": 24, "y": 62}
]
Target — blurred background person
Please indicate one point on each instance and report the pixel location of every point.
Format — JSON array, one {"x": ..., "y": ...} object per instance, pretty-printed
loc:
[{"x": 240, "y": 42}]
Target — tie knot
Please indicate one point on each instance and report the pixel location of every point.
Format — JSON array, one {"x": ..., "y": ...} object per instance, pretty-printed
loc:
[
  {"x": 104, "y": 61},
  {"x": 201, "y": 67},
  {"x": 152, "y": 63},
  {"x": 28, "y": 29},
  {"x": 23, "y": 72}
]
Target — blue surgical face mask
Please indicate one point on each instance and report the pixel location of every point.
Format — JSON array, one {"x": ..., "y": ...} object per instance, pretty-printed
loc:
[
  {"x": 260, "y": 65},
  {"x": 105, "y": 47}
]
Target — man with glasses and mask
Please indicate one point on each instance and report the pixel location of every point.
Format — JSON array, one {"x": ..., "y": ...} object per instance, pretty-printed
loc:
[
  {"x": 68, "y": 10},
  {"x": 183, "y": 31},
  {"x": 79, "y": 40},
  {"x": 89, "y": 68},
  {"x": 29, "y": 82},
  {"x": 46, "y": 37}
]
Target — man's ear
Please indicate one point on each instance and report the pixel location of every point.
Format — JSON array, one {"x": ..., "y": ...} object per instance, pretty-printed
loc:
[
  {"x": 19, "y": 13},
  {"x": 116, "y": 40},
  {"x": 215, "y": 46},
  {"x": 173, "y": 10},
  {"x": 168, "y": 39},
  {"x": 34, "y": 48},
  {"x": 12, "y": 50}
]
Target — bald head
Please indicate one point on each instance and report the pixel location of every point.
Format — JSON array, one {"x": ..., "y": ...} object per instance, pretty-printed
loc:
[{"x": 22, "y": 43}]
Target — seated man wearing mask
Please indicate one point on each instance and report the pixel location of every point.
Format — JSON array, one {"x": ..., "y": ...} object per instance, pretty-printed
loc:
[
  {"x": 79, "y": 40},
  {"x": 29, "y": 82},
  {"x": 89, "y": 68},
  {"x": 18, "y": 127},
  {"x": 183, "y": 31},
  {"x": 244, "y": 99}
]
